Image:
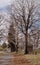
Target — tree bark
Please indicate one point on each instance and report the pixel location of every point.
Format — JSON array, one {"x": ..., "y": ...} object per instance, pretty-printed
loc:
[
  {"x": 26, "y": 43},
  {"x": 17, "y": 47}
]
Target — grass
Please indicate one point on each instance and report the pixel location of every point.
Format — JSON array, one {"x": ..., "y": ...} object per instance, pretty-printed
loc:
[
  {"x": 21, "y": 59},
  {"x": 1, "y": 49},
  {"x": 29, "y": 59},
  {"x": 1, "y": 54},
  {"x": 34, "y": 59}
]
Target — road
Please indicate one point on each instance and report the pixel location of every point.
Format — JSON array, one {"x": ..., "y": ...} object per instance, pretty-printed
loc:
[{"x": 6, "y": 59}]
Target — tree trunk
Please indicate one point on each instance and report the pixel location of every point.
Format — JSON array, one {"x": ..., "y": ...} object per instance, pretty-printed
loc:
[
  {"x": 17, "y": 47},
  {"x": 26, "y": 43}
]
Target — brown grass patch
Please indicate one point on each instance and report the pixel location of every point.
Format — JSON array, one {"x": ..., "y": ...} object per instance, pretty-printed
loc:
[{"x": 19, "y": 59}]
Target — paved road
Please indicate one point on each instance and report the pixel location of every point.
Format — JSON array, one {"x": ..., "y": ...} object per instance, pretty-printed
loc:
[{"x": 6, "y": 59}]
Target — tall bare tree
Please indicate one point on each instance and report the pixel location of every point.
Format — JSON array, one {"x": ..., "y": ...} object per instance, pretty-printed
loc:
[{"x": 25, "y": 12}]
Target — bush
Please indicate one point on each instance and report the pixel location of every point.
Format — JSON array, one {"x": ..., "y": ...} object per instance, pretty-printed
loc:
[
  {"x": 1, "y": 49},
  {"x": 4, "y": 45},
  {"x": 36, "y": 51}
]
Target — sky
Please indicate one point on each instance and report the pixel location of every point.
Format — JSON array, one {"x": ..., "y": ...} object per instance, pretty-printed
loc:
[
  {"x": 4, "y": 3},
  {"x": 7, "y": 2}
]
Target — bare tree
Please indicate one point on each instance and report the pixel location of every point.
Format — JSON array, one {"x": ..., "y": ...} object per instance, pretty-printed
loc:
[
  {"x": 11, "y": 33},
  {"x": 26, "y": 14},
  {"x": 11, "y": 37},
  {"x": 17, "y": 36},
  {"x": 34, "y": 37},
  {"x": 1, "y": 23}
]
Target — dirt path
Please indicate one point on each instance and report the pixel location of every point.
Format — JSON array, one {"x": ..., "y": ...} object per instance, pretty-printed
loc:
[
  {"x": 20, "y": 60},
  {"x": 10, "y": 59},
  {"x": 6, "y": 59}
]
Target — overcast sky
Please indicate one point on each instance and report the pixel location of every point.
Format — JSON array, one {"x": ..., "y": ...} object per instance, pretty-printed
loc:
[
  {"x": 4, "y": 2},
  {"x": 7, "y": 2}
]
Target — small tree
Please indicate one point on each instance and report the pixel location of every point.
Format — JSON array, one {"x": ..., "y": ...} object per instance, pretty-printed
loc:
[
  {"x": 1, "y": 23},
  {"x": 4, "y": 45},
  {"x": 11, "y": 37}
]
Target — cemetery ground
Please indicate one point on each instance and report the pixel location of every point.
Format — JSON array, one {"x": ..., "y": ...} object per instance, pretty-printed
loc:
[{"x": 19, "y": 59}]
